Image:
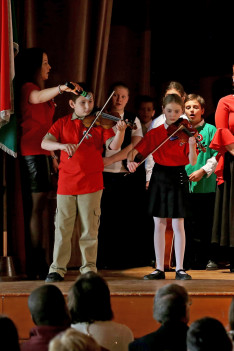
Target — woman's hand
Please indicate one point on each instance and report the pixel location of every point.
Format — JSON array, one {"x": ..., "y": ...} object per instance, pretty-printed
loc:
[{"x": 76, "y": 88}]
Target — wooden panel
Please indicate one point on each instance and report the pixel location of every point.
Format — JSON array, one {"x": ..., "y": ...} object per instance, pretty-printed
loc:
[
  {"x": 137, "y": 311},
  {"x": 211, "y": 306},
  {"x": 134, "y": 311},
  {"x": 16, "y": 307}
]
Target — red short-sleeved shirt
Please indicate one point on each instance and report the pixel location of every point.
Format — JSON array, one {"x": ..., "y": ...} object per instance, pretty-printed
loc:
[
  {"x": 36, "y": 119},
  {"x": 172, "y": 153},
  {"x": 81, "y": 174}
]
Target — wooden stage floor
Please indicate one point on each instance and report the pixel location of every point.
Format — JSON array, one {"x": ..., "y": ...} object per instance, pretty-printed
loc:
[{"x": 211, "y": 293}]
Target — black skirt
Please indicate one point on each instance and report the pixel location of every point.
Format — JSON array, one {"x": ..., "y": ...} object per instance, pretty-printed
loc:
[
  {"x": 36, "y": 173},
  {"x": 223, "y": 225},
  {"x": 168, "y": 192}
]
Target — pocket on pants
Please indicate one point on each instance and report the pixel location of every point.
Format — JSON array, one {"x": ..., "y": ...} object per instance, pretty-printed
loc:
[{"x": 96, "y": 218}]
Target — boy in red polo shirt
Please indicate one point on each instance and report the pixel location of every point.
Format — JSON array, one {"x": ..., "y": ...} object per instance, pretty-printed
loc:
[{"x": 80, "y": 182}]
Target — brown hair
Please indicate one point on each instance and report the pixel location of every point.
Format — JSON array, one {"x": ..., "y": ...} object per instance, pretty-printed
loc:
[
  {"x": 173, "y": 98},
  {"x": 177, "y": 86},
  {"x": 197, "y": 97}
]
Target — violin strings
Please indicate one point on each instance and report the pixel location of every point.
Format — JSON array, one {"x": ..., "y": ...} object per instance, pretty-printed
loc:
[{"x": 113, "y": 118}]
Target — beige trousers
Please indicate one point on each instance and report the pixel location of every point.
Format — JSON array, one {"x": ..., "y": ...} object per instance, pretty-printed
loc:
[{"x": 87, "y": 207}]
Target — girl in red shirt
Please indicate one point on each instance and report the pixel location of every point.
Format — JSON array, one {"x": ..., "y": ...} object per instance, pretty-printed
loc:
[{"x": 168, "y": 185}]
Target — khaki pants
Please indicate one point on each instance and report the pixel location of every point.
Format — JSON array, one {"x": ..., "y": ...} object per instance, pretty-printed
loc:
[{"x": 87, "y": 207}]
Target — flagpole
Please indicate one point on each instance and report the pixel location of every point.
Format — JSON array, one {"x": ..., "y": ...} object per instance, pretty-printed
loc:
[{"x": 7, "y": 268}]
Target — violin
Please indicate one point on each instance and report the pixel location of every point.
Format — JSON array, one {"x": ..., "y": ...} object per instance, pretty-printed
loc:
[
  {"x": 106, "y": 120},
  {"x": 184, "y": 133}
]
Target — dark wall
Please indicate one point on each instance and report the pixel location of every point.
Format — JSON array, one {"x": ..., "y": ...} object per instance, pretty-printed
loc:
[{"x": 191, "y": 42}]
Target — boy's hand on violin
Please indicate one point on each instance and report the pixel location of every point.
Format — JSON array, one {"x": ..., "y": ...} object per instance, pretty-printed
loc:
[
  {"x": 132, "y": 166},
  {"x": 70, "y": 149},
  {"x": 121, "y": 126},
  {"x": 197, "y": 175}
]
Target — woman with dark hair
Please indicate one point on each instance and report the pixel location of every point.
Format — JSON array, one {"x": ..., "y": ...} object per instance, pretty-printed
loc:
[
  {"x": 36, "y": 110},
  {"x": 8, "y": 335},
  {"x": 90, "y": 308}
]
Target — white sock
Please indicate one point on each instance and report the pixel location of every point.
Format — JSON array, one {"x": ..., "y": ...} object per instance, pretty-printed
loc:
[
  {"x": 179, "y": 241},
  {"x": 159, "y": 241}
]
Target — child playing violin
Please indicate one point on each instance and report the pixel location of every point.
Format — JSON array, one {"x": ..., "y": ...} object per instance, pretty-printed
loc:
[
  {"x": 168, "y": 187},
  {"x": 80, "y": 182}
]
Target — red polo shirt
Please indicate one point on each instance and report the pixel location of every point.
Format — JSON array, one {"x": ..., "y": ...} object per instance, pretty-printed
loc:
[
  {"x": 172, "y": 153},
  {"x": 82, "y": 173}
]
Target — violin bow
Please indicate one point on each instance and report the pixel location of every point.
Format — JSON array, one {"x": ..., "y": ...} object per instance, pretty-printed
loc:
[{"x": 94, "y": 121}]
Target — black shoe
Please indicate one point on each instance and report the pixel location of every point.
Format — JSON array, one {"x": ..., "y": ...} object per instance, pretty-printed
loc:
[
  {"x": 54, "y": 277},
  {"x": 182, "y": 276},
  {"x": 157, "y": 274},
  {"x": 211, "y": 266}
]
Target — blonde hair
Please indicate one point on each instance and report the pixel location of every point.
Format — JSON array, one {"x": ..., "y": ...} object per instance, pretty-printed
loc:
[{"x": 73, "y": 340}]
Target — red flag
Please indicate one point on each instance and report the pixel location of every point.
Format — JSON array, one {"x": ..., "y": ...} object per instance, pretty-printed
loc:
[
  {"x": 5, "y": 84},
  {"x": 8, "y": 50}
]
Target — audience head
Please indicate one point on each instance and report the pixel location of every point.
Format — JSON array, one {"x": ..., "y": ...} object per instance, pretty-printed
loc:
[
  {"x": 89, "y": 299},
  {"x": 48, "y": 306},
  {"x": 9, "y": 339},
  {"x": 231, "y": 315},
  {"x": 208, "y": 334},
  {"x": 73, "y": 340},
  {"x": 171, "y": 304},
  {"x": 145, "y": 108}
]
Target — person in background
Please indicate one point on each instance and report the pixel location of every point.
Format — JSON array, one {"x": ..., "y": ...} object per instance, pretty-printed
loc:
[
  {"x": 202, "y": 187},
  {"x": 208, "y": 334},
  {"x": 9, "y": 337},
  {"x": 172, "y": 310},
  {"x": 36, "y": 107},
  {"x": 168, "y": 187},
  {"x": 145, "y": 107},
  {"x": 145, "y": 111},
  {"x": 231, "y": 321},
  {"x": 73, "y": 340},
  {"x": 223, "y": 224},
  {"x": 80, "y": 182},
  {"x": 49, "y": 313},
  {"x": 91, "y": 313},
  {"x": 122, "y": 246}
]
